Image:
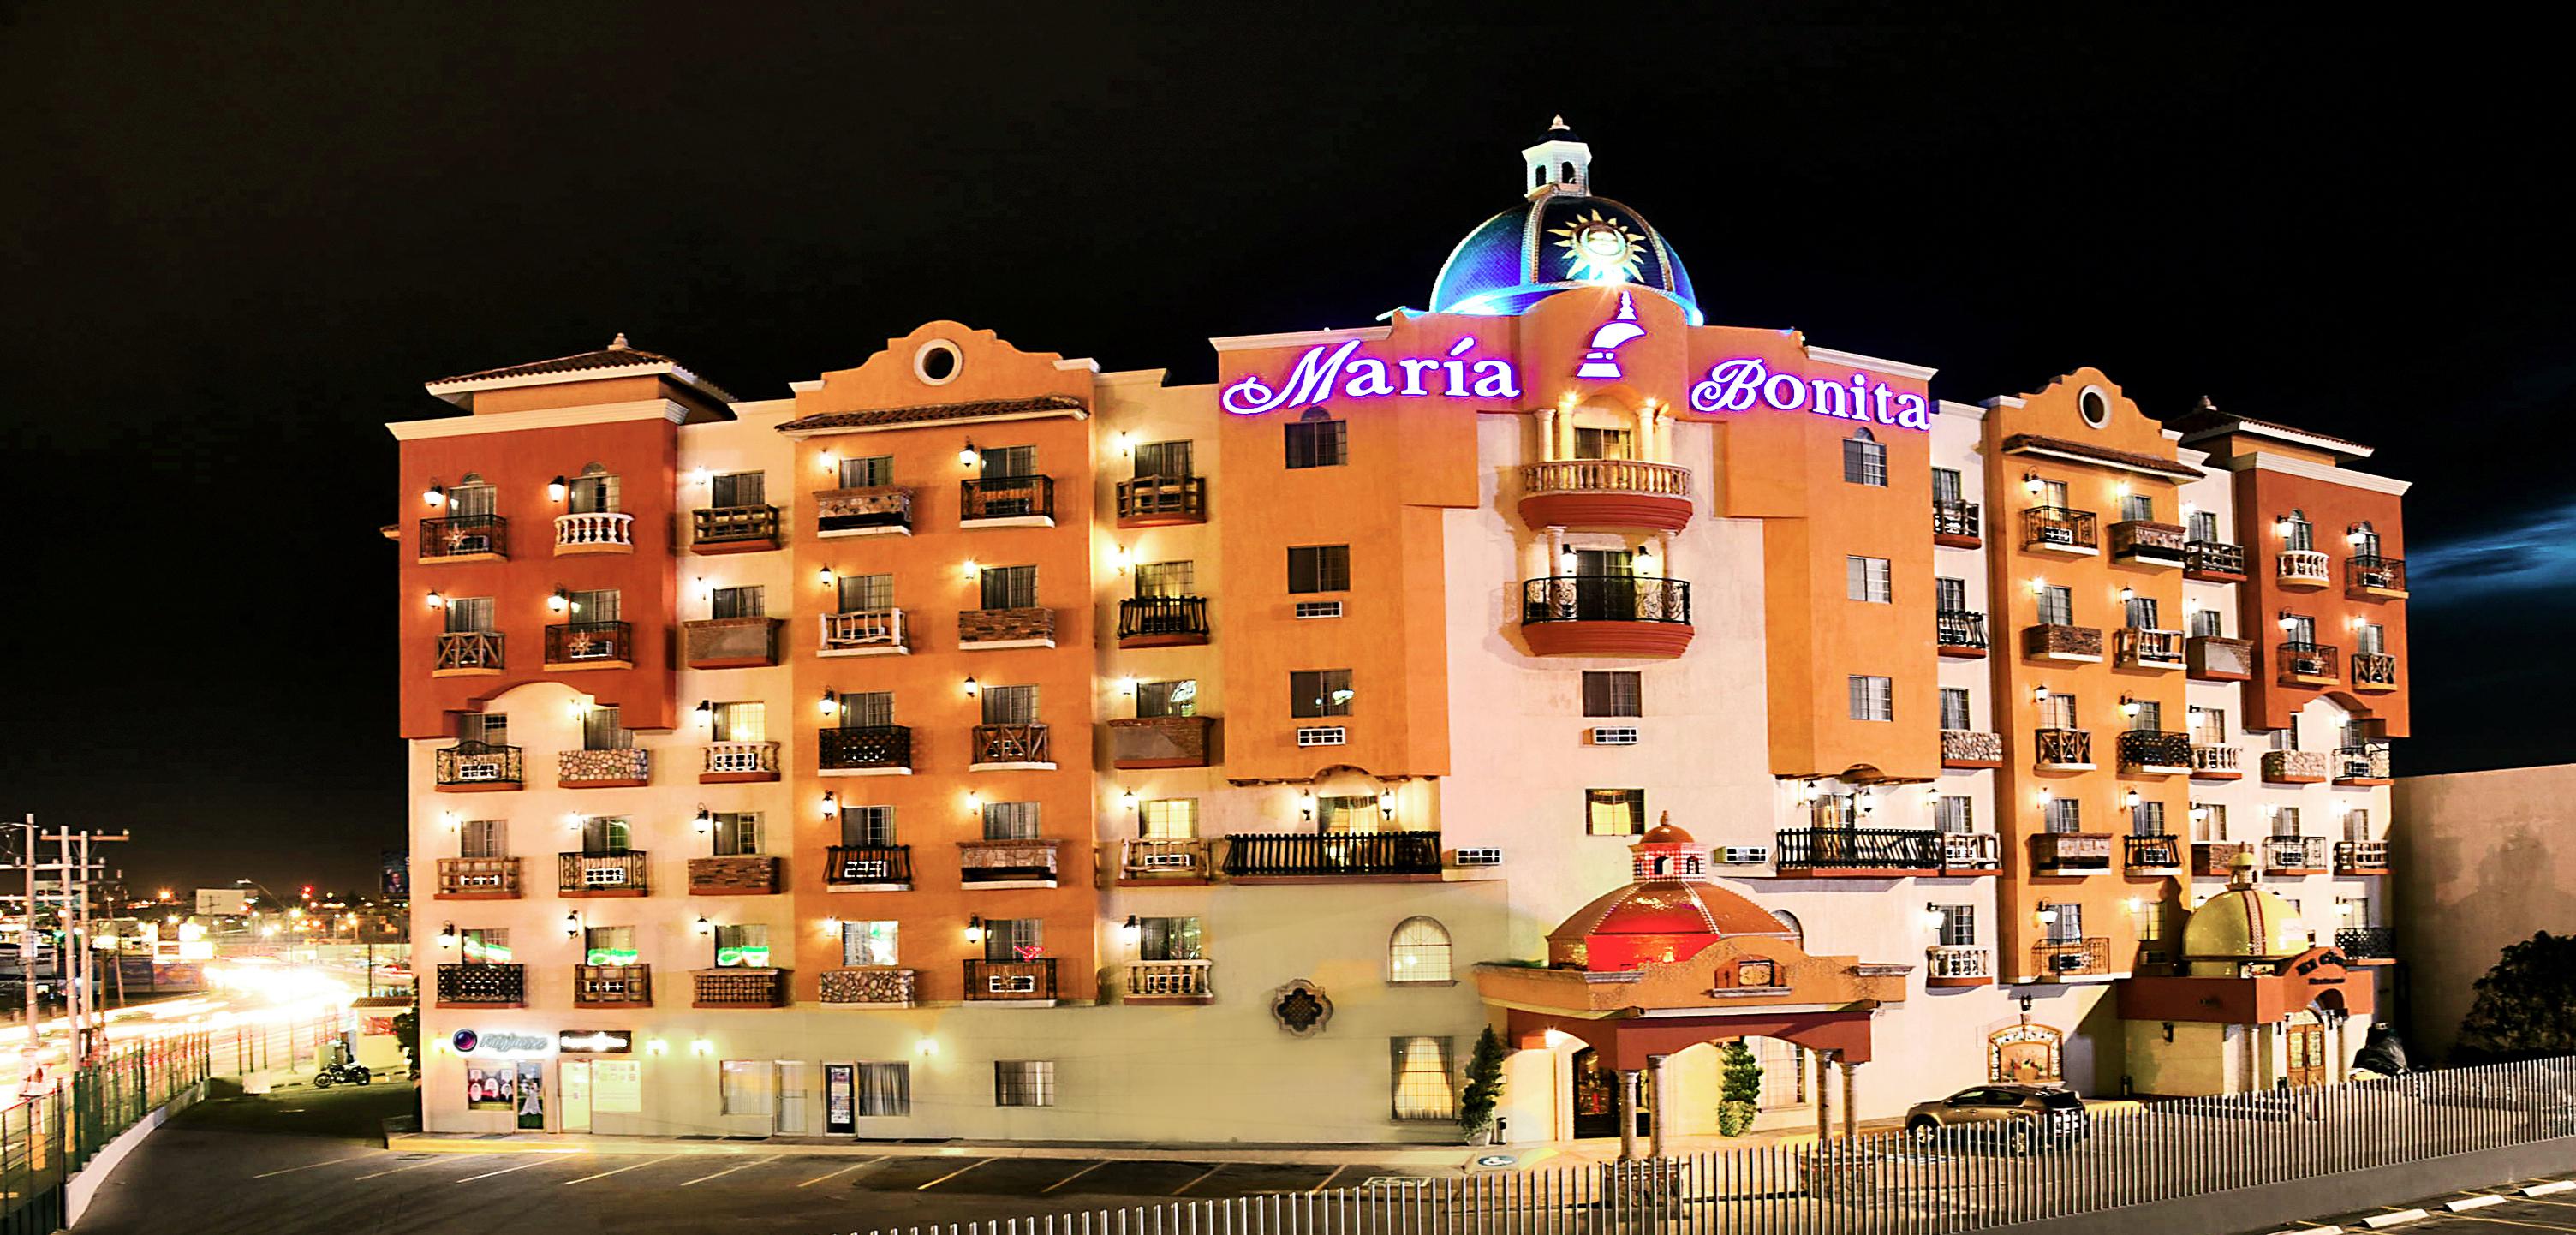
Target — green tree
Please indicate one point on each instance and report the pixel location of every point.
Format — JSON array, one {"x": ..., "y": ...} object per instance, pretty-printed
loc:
[
  {"x": 1484, "y": 1085},
  {"x": 2526, "y": 1005},
  {"x": 1740, "y": 1090},
  {"x": 407, "y": 1032}
]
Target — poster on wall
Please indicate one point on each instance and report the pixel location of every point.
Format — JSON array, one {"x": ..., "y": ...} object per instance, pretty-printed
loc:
[
  {"x": 617, "y": 1087},
  {"x": 839, "y": 1088},
  {"x": 532, "y": 1094},
  {"x": 493, "y": 1088}
]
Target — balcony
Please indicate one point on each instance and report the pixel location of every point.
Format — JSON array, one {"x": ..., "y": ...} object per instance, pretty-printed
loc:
[
  {"x": 1961, "y": 633},
  {"x": 2150, "y": 854},
  {"x": 594, "y": 533},
  {"x": 867, "y": 868},
  {"x": 1006, "y": 501},
  {"x": 482, "y": 986},
  {"x": 2212, "y": 561},
  {"x": 2215, "y": 762},
  {"x": 2361, "y": 857},
  {"x": 1162, "y": 621},
  {"x": 2062, "y": 750},
  {"x": 2297, "y": 767},
  {"x": 1882, "y": 853},
  {"x": 1309, "y": 857},
  {"x": 1145, "y": 862},
  {"x": 1971, "y": 748},
  {"x": 467, "y": 654},
  {"x": 2366, "y": 943},
  {"x": 738, "y": 986},
  {"x": 2217, "y": 859},
  {"x": 863, "y": 750},
  {"x": 981, "y": 630},
  {"x": 2210, "y": 658},
  {"x": 1010, "y": 748},
  {"x": 730, "y": 643},
  {"x": 1173, "y": 982},
  {"x": 2309, "y": 664},
  {"x": 2295, "y": 855},
  {"x": 1162, "y": 501},
  {"x": 733, "y": 763},
  {"x": 867, "y": 632},
  {"x": 2303, "y": 569},
  {"x": 2368, "y": 576},
  {"x": 2070, "y": 853},
  {"x": 477, "y": 767},
  {"x": 2155, "y": 752},
  {"x": 870, "y": 986},
  {"x": 2070, "y": 645},
  {"x": 2132, "y": 648},
  {"x": 1162, "y": 742},
  {"x": 2374, "y": 672},
  {"x": 2148, "y": 543},
  {"x": 734, "y": 875},
  {"x": 1958, "y": 525},
  {"x": 1030, "y": 982},
  {"x": 464, "y": 538},
  {"x": 600, "y": 874},
  {"x": 612, "y": 986},
  {"x": 623, "y": 768},
  {"x": 1606, "y": 615},
  {"x": 1023, "y": 863},
  {"x": 876, "y": 510},
  {"x": 2073, "y": 958},
  {"x": 1955, "y": 965},
  {"x": 590, "y": 645},
  {"x": 478, "y": 879},
  {"x": 733, "y": 529},
  {"x": 1605, "y": 493},
  {"x": 2365, "y": 764},
  {"x": 2056, "y": 529}
]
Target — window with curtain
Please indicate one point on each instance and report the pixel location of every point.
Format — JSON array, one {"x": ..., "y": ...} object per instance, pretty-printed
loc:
[
  {"x": 1010, "y": 821},
  {"x": 2208, "y": 821},
  {"x": 2150, "y": 716},
  {"x": 1422, "y": 1078},
  {"x": 1168, "y": 939},
  {"x": 1613, "y": 692},
  {"x": 867, "y": 473},
  {"x": 608, "y": 945},
  {"x": 1009, "y": 705},
  {"x": 600, "y": 730},
  {"x": 742, "y": 946},
  {"x": 867, "y": 825},
  {"x": 2285, "y": 821},
  {"x": 871, "y": 943},
  {"x": 737, "y": 834},
  {"x": 471, "y": 499},
  {"x": 2068, "y": 927},
  {"x": 2208, "y": 725},
  {"x": 469, "y": 615},
  {"x": 884, "y": 1088},
  {"x": 2147, "y": 819},
  {"x": 1167, "y": 698},
  {"x": 2141, "y": 613},
  {"x": 1024, "y": 1082},
  {"x": 594, "y": 492},
  {"x": 1958, "y": 925},
  {"x": 2057, "y": 605},
  {"x": 2065, "y": 815},
  {"x": 489, "y": 728},
  {"x": 1955, "y": 813},
  {"x": 2147, "y": 918},
  {"x": 1319, "y": 692},
  {"x": 1614, "y": 812},
  {"x": 2204, "y": 526},
  {"x": 1009, "y": 587},
  {"x": 1872, "y": 698},
  {"x": 1009, "y": 462},
  {"x": 736, "y": 602},
  {"x": 1348, "y": 814},
  {"x": 1166, "y": 578},
  {"x": 869, "y": 709},
  {"x": 1954, "y": 707},
  {"x": 606, "y": 836},
  {"x": 2297, "y": 532},
  {"x": 1168, "y": 818},
  {"x": 2138, "y": 508},
  {"x": 743, "y": 1086},
  {"x": 595, "y": 605},
  {"x": 485, "y": 946},
  {"x": 738, "y": 489},
  {"x": 2208, "y": 624},
  {"x": 1167, "y": 459},
  {"x": 864, "y": 593},
  {"x": 1004, "y": 937},
  {"x": 1950, "y": 595},
  {"x": 2058, "y": 711},
  {"x": 739, "y": 722},
  {"x": 1864, "y": 460},
  {"x": 1601, "y": 443},
  {"x": 1418, "y": 951},
  {"x": 483, "y": 838},
  {"x": 1946, "y": 487}
]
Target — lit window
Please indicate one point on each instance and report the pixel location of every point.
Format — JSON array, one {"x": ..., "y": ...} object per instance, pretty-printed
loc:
[
  {"x": 1614, "y": 812},
  {"x": 1422, "y": 1070},
  {"x": 1024, "y": 1082},
  {"x": 1419, "y": 952}
]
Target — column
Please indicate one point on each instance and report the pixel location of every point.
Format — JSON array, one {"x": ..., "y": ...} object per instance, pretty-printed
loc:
[
  {"x": 1824, "y": 1098},
  {"x": 1848, "y": 1122},
  {"x": 1547, "y": 435},
  {"x": 1655, "y": 1097},
  {"x": 1627, "y": 1114},
  {"x": 1565, "y": 433}
]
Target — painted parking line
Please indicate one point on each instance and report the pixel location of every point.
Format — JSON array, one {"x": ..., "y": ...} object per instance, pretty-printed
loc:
[
  {"x": 310, "y": 1165},
  {"x": 545, "y": 1161},
  {"x": 730, "y": 1170},
  {"x": 952, "y": 1175},
  {"x": 1072, "y": 1177},
  {"x": 2537, "y": 1226},
  {"x": 1319, "y": 1184},
  {"x": 621, "y": 1170},
  {"x": 1195, "y": 1181},
  {"x": 433, "y": 1161},
  {"x": 843, "y": 1171}
]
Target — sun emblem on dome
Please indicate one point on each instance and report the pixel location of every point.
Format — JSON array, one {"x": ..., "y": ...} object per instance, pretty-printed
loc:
[{"x": 1599, "y": 247}]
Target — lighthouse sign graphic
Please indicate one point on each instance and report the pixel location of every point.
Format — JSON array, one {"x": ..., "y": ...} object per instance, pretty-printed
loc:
[{"x": 1601, "y": 358}]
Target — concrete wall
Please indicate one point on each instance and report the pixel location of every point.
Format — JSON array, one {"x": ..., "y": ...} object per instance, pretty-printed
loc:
[{"x": 2482, "y": 859}]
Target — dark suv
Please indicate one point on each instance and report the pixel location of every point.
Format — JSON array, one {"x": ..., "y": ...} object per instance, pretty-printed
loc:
[{"x": 2020, "y": 1117}]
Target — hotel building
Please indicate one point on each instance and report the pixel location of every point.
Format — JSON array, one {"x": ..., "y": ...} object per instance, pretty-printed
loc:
[{"x": 974, "y": 743}]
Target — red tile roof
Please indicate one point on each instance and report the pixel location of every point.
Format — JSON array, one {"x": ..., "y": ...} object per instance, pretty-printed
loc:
[
  {"x": 2130, "y": 459},
  {"x": 617, "y": 355},
  {"x": 928, "y": 413}
]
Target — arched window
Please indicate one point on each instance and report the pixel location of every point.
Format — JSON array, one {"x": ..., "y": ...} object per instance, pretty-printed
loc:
[
  {"x": 2297, "y": 532},
  {"x": 1790, "y": 920},
  {"x": 1418, "y": 952},
  {"x": 1864, "y": 460},
  {"x": 2364, "y": 538}
]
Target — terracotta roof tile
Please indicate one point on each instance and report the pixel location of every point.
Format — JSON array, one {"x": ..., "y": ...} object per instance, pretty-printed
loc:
[
  {"x": 2130, "y": 459},
  {"x": 930, "y": 413},
  {"x": 617, "y": 355}
]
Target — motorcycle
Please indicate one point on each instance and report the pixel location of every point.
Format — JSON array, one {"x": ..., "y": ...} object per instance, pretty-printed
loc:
[{"x": 342, "y": 1074}]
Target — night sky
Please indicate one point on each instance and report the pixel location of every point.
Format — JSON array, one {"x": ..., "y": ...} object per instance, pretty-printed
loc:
[{"x": 238, "y": 237}]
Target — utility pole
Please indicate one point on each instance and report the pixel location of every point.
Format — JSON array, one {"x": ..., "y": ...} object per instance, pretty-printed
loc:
[
  {"x": 80, "y": 968},
  {"x": 27, "y": 938}
]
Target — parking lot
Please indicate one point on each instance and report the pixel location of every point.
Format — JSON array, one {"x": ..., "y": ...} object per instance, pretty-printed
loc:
[{"x": 2508, "y": 1210}]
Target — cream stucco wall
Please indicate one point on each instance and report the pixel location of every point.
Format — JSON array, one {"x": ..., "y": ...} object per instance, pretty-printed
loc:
[{"x": 2482, "y": 859}]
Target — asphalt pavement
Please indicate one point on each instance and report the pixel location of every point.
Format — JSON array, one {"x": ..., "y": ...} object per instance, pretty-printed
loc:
[{"x": 2482, "y": 1211}]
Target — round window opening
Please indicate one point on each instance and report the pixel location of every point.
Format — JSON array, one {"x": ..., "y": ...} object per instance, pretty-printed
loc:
[
  {"x": 936, "y": 363},
  {"x": 2095, "y": 408}
]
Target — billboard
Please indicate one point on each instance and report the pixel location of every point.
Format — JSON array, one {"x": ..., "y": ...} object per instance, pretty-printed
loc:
[{"x": 229, "y": 902}]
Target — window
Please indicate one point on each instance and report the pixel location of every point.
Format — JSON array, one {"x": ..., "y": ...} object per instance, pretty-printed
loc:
[
  {"x": 2286, "y": 737},
  {"x": 739, "y": 722},
  {"x": 2149, "y": 717},
  {"x": 2140, "y": 612},
  {"x": 472, "y": 499},
  {"x": 2095, "y": 409},
  {"x": 1168, "y": 939},
  {"x": 1319, "y": 568},
  {"x": 736, "y": 602},
  {"x": 2285, "y": 821},
  {"x": 2147, "y": 819},
  {"x": 884, "y": 1089},
  {"x": 1613, "y": 692},
  {"x": 1955, "y": 813},
  {"x": 1958, "y": 925},
  {"x": 1318, "y": 441},
  {"x": 608, "y": 945},
  {"x": 737, "y": 834},
  {"x": 743, "y": 1086},
  {"x": 606, "y": 836},
  {"x": 483, "y": 838},
  {"x": 2204, "y": 526},
  {"x": 738, "y": 489},
  {"x": 1168, "y": 818},
  {"x": 1319, "y": 692},
  {"x": 2208, "y": 821},
  {"x": 1010, "y": 705},
  {"x": 1009, "y": 462},
  {"x": 2057, "y": 711},
  {"x": 867, "y": 826},
  {"x": 1865, "y": 578},
  {"x": 1418, "y": 952},
  {"x": 1864, "y": 460},
  {"x": 2064, "y": 921},
  {"x": 1024, "y": 1082},
  {"x": 1169, "y": 459},
  {"x": 867, "y": 473},
  {"x": 2356, "y": 824},
  {"x": 1954, "y": 708},
  {"x": 485, "y": 946},
  {"x": 1601, "y": 443},
  {"x": 489, "y": 728},
  {"x": 870, "y": 943},
  {"x": 2147, "y": 918},
  {"x": 1950, "y": 595},
  {"x": 1010, "y": 821},
  {"x": 2208, "y": 725},
  {"x": 594, "y": 605},
  {"x": 594, "y": 493},
  {"x": 2057, "y": 605},
  {"x": 1167, "y": 698},
  {"x": 1351, "y": 814},
  {"x": 2352, "y": 910},
  {"x": 1872, "y": 698},
  {"x": 600, "y": 730},
  {"x": 1422, "y": 1070},
  {"x": 2208, "y": 624},
  {"x": 2065, "y": 815},
  {"x": 1009, "y": 587},
  {"x": 2370, "y": 639},
  {"x": 2138, "y": 508},
  {"x": 865, "y": 593},
  {"x": 2300, "y": 628},
  {"x": 1004, "y": 938},
  {"x": 2052, "y": 494},
  {"x": 469, "y": 614},
  {"x": 742, "y": 945},
  {"x": 1946, "y": 488},
  {"x": 1614, "y": 812},
  {"x": 2296, "y": 532},
  {"x": 1166, "y": 578},
  {"x": 868, "y": 709}
]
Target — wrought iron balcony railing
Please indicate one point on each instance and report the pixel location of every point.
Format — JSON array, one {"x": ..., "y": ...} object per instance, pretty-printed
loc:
[
  {"x": 482, "y": 986},
  {"x": 1605, "y": 598},
  {"x": 2366, "y": 942},
  {"x": 2073, "y": 957},
  {"x": 1828, "y": 849},
  {"x": 2368, "y": 574},
  {"x": 1010, "y": 980},
  {"x": 468, "y": 537},
  {"x": 1342, "y": 855},
  {"x": 2150, "y": 853},
  {"x": 578, "y": 645},
  {"x": 1162, "y": 621},
  {"x": 1960, "y": 629},
  {"x": 2309, "y": 664},
  {"x": 2058, "y": 528},
  {"x": 2153, "y": 750},
  {"x": 868, "y": 866},
  {"x": 862, "y": 749}
]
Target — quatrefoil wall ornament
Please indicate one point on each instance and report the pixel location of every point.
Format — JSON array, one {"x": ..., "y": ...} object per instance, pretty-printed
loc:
[{"x": 1302, "y": 1008}]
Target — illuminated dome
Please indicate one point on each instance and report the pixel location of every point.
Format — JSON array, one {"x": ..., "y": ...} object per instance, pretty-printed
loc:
[
  {"x": 2243, "y": 923},
  {"x": 1670, "y": 913},
  {"x": 1561, "y": 237}
]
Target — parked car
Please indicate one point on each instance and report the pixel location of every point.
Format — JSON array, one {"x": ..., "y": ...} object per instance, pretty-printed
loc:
[{"x": 2020, "y": 1117}]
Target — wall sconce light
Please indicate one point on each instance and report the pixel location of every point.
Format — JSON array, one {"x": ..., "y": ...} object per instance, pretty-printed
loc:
[
  {"x": 559, "y": 601},
  {"x": 2199, "y": 813},
  {"x": 572, "y": 820},
  {"x": 831, "y": 926},
  {"x": 437, "y": 600},
  {"x": 1565, "y": 560},
  {"x": 1643, "y": 562},
  {"x": 2038, "y": 586},
  {"x": 830, "y": 704},
  {"x": 706, "y": 821},
  {"x": 572, "y": 926},
  {"x": 2047, "y": 916},
  {"x": 2353, "y": 537},
  {"x": 831, "y": 462},
  {"x": 2128, "y": 706},
  {"x": 700, "y": 476},
  {"x": 2121, "y": 489},
  {"x": 449, "y": 819},
  {"x": 557, "y": 488},
  {"x": 1126, "y": 799},
  {"x": 578, "y": 706},
  {"x": 2128, "y": 594},
  {"x": 1129, "y": 930},
  {"x": 2030, "y": 483},
  {"x": 2130, "y": 799},
  {"x": 1122, "y": 557},
  {"x": 2044, "y": 794},
  {"x": 701, "y": 1046},
  {"x": 975, "y": 929},
  {"x": 1386, "y": 803},
  {"x": 972, "y": 571},
  {"x": 705, "y": 711},
  {"x": 969, "y": 457},
  {"x": 1306, "y": 804},
  {"x": 435, "y": 495},
  {"x": 2132, "y": 904},
  {"x": 974, "y": 801},
  {"x": 831, "y": 804},
  {"x": 703, "y": 926},
  {"x": 927, "y": 1048},
  {"x": 2281, "y": 528},
  {"x": 2289, "y": 621},
  {"x": 1127, "y": 685},
  {"x": 972, "y": 689},
  {"x": 1933, "y": 918},
  {"x": 2343, "y": 909},
  {"x": 823, "y": 576},
  {"x": 447, "y": 935},
  {"x": 1125, "y": 441},
  {"x": 657, "y": 1046}
]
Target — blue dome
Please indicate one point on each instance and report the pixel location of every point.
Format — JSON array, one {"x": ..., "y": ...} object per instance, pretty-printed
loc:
[{"x": 1559, "y": 239}]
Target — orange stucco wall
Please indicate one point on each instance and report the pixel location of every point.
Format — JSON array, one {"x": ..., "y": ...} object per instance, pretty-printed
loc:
[{"x": 2263, "y": 497}]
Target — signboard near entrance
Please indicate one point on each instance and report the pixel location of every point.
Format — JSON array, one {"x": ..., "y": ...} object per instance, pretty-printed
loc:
[
  {"x": 617, "y": 1087},
  {"x": 532, "y": 1095},
  {"x": 839, "y": 1100}
]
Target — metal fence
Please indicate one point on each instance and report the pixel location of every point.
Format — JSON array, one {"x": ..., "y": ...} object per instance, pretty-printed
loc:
[
  {"x": 46, "y": 1138},
  {"x": 1907, "y": 1182}
]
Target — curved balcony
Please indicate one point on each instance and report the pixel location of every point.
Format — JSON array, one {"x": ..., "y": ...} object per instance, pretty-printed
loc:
[
  {"x": 2147, "y": 543},
  {"x": 2057, "y": 529},
  {"x": 2368, "y": 576},
  {"x": 733, "y": 529},
  {"x": 1606, "y": 615},
  {"x": 1605, "y": 493},
  {"x": 590, "y": 645},
  {"x": 1960, "y": 633},
  {"x": 2303, "y": 568},
  {"x": 1162, "y": 501},
  {"x": 2212, "y": 561},
  {"x": 2155, "y": 752},
  {"x": 1162, "y": 621},
  {"x": 464, "y": 538},
  {"x": 476, "y": 767},
  {"x": 594, "y": 533},
  {"x": 735, "y": 762},
  {"x": 1953, "y": 965},
  {"x": 2215, "y": 762},
  {"x": 468, "y": 653}
]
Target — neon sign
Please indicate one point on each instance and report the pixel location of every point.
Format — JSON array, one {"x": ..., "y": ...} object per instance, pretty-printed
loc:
[
  {"x": 1326, "y": 369},
  {"x": 1601, "y": 358},
  {"x": 1736, "y": 385}
]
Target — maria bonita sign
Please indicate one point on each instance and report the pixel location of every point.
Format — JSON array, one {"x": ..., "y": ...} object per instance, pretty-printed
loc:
[
  {"x": 1736, "y": 385},
  {"x": 1327, "y": 371}
]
